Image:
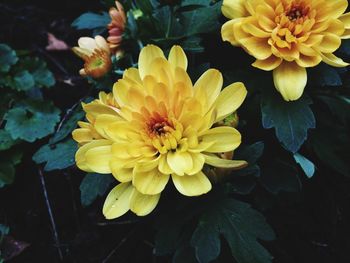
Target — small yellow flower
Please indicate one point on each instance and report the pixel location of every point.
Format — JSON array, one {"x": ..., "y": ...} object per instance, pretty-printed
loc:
[
  {"x": 96, "y": 54},
  {"x": 288, "y": 36},
  {"x": 117, "y": 26},
  {"x": 160, "y": 126}
]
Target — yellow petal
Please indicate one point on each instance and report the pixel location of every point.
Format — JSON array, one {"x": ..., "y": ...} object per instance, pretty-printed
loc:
[
  {"x": 227, "y": 32},
  {"x": 147, "y": 55},
  {"x": 94, "y": 109},
  {"x": 118, "y": 201},
  {"x": 80, "y": 157},
  {"x": 308, "y": 61},
  {"x": 346, "y": 34},
  {"x": 151, "y": 182},
  {"x": 225, "y": 139},
  {"x": 224, "y": 163},
  {"x": 163, "y": 165},
  {"x": 177, "y": 57},
  {"x": 234, "y": 8},
  {"x": 290, "y": 80},
  {"x": 98, "y": 158},
  {"x": 333, "y": 60},
  {"x": 82, "y": 135},
  {"x": 329, "y": 44},
  {"x": 208, "y": 86},
  {"x": 345, "y": 18},
  {"x": 337, "y": 8},
  {"x": 103, "y": 121},
  {"x": 133, "y": 73},
  {"x": 179, "y": 162},
  {"x": 87, "y": 43},
  {"x": 257, "y": 47},
  {"x": 192, "y": 185},
  {"x": 123, "y": 175},
  {"x": 198, "y": 163},
  {"x": 142, "y": 204},
  {"x": 230, "y": 99},
  {"x": 268, "y": 64}
]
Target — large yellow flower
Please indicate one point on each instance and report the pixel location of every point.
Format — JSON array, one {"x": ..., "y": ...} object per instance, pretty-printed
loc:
[
  {"x": 159, "y": 126},
  {"x": 287, "y": 36}
]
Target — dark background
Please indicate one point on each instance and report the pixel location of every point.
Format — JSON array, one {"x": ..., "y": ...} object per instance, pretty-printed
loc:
[{"x": 312, "y": 225}]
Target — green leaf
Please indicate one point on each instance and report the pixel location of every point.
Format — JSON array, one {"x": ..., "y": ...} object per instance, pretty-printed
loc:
[
  {"x": 56, "y": 156},
  {"x": 22, "y": 81},
  {"x": 8, "y": 58},
  {"x": 192, "y": 44},
  {"x": 91, "y": 20},
  {"x": 68, "y": 125},
  {"x": 195, "y": 2},
  {"x": 307, "y": 166},
  {"x": 291, "y": 120},
  {"x": 281, "y": 177},
  {"x": 201, "y": 20},
  {"x": 324, "y": 75},
  {"x": 39, "y": 71},
  {"x": 31, "y": 120},
  {"x": 94, "y": 185},
  {"x": 185, "y": 254},
  {"x": 7, "y": 173},
  {"x": 6, "y": 141},
  {"x": 240, "y": 225}
]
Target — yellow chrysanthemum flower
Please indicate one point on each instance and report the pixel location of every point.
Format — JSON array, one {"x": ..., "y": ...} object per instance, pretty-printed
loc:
[
  {"x": 288, "y": 36},
  {"x": 159, "y": 126}
]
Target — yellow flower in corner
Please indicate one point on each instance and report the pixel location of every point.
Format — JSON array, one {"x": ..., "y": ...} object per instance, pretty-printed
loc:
[
  {"x": 96, "y": 54},
  {"x": 159, "y": 126},
  {"x": 288, "y": 36}
]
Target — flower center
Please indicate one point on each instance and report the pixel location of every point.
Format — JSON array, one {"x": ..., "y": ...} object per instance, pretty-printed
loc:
[
  {"x": 297, "y": 11},
  {"x": 98, "y": 64},
  {"x": 158, "y": 126}
]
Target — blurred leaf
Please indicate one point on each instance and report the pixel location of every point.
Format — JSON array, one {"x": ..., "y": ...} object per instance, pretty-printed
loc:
[
  {"x": 22, "y": 81},
  {"x": 56, "y": 156},
  {"x": 91, "y": 20},
  {"x": 184, "y": 254},
  {"x": 280, "y": 177},
  {"x": 291, "y": 120},
  {"x": 195, "y": 2},
  {"x": 250, "y": 153},
  {"x": 6, "y": 141},
  {"x": 7, "y": 173},
  {"x": 8, "y": 58},
  {"x": 307, "y": 166},
  {"x": 201, "y": 20},
  {"x": 324, "y": 75},
  {"x": 332, "y": 150},
  {"x": 8, "y": 160},
  {"x": 192, "y": 44},
  {"x": 31, "y": 120},
  {"x": 94, "y": 185},
  {"x": 68, "y": 125},
  {"x": 42, "y": 76},
  {"x": 240, "y": 225}
]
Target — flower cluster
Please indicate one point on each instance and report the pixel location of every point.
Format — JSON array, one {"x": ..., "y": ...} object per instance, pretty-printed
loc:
[
  {"x": 288, "y": 36},
  {"x": 157, "y": 125}
]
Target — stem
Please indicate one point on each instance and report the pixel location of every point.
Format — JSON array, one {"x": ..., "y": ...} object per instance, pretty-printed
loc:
[{"x": 52, "y": 220}]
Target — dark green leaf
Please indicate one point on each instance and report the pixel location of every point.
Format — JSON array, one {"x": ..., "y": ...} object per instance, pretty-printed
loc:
[
  {"x": 307, "y": 166},
  {"x": 58, "y": 156},
  {"x": 94, "y": 185},
  {"x": 281, "y": 177},
  {"x": 31, "y": 120},
  {"x": 8, "y": 58},
  {"x": 6, "y": 141},
  {"x": 324, "y": 75},
  {"x": 68, "y": 125},
  {"x": 250, "y": 153},
  {"x": 7, "y": 173},
  {"x": 91, "y": 20},
  {"x": 192, "y": 44},
  {"x": 23, "y": 81},
  {"x": 201, "y": 20},
  {"x": 240, "y": 225},
  {"x": 185, "y": 254},
  {"x": 39, "y": 71},
  {"x": 291, "y": 120}
]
